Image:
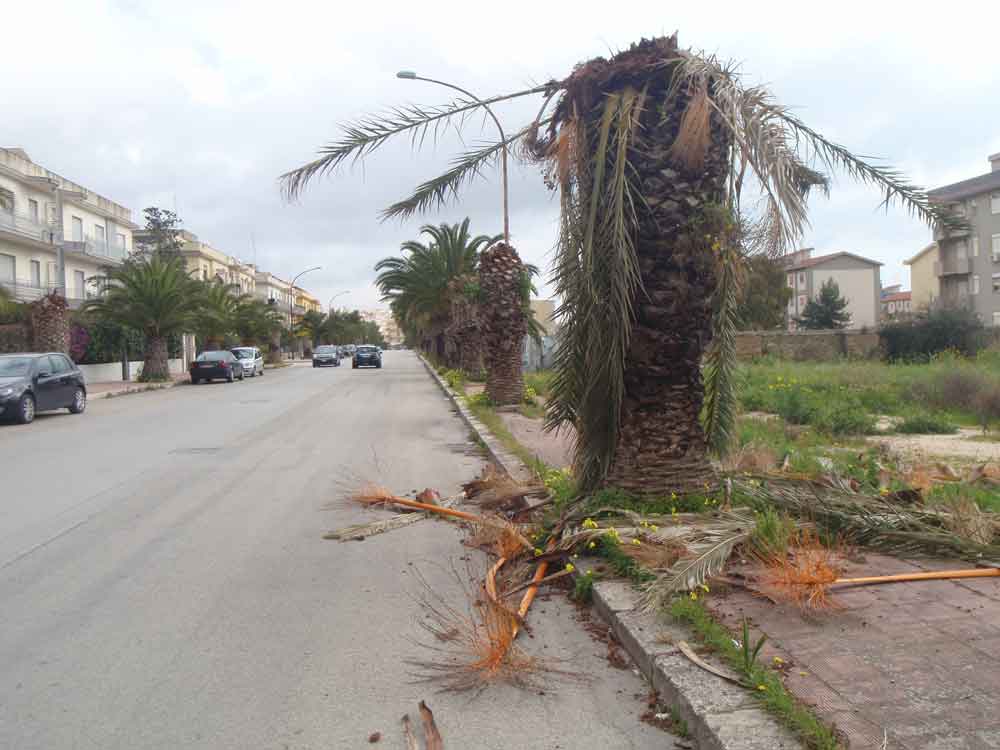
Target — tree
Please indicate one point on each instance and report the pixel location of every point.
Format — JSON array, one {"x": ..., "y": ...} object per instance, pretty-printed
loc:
[
  {"x": 827, "y": 311},
  {"x": 312, "y": 327},
  {"x": 765, "y": 296},
  {"x": 256, "y": 321},
  {"x": 419, "y": 285},
  {"x": 651, "y": 151},
  {"x": 162, "y": 232},
  {"x": 151, "y": 294},
  {"x": 216, "y": 305}
]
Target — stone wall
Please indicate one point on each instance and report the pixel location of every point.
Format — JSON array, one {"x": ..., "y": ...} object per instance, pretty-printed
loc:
[
  {"x": 820, "y": 346},
  {"x": 15, "y": 337}
]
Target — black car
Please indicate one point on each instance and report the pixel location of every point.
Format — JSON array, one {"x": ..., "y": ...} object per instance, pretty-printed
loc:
[
  {"x": 31, "y": 383},
  {"x": 216, "y": 366},
  {"x": 325, "y": 356},
  {"x": 367, "y": 356}
]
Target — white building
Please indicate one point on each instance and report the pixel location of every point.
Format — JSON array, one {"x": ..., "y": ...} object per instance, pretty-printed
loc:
[
  {"x": 858, "y": 279},
  {"x": 275, "y": 291},
  {"x": 41, "y": 212}
]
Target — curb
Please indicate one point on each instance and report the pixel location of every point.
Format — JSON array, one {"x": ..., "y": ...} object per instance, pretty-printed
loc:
[
  {"x": 718, "y": 714},
  {"x": 137, "y": 389}
]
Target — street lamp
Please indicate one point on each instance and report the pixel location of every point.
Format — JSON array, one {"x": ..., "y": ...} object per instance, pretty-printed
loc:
[
  {"x": 291, "y": 293},
  {"x": 409, "y": 75},
  {"x": 330, "y": 306}
]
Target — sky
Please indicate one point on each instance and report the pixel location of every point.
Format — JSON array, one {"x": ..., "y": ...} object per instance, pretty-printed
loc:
[{"x": 199, "y": 106}]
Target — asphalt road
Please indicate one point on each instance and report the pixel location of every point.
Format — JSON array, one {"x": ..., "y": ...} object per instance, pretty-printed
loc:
[{"x": 164, "y": 583}]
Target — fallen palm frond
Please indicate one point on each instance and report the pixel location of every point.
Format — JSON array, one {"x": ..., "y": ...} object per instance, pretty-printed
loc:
[
  {"x": 804, "y": 573},
  {"x": 432, "y": 737},
  {"x": 869, "y": 521},
  {"x": 473, "y": 648},
  {"x": 411, "y": 741},
  {"x": 654, "y": 553},
  {"x": 709, "y": 546},
  {"x": 358, "y": 532}
]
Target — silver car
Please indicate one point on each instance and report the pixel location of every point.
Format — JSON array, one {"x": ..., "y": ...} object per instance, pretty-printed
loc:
[{"x": 251, "y": 359}]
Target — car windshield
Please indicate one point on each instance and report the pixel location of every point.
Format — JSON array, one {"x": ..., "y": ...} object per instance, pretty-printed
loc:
[
  {"x": 326, "y": 349},
  {"x": 12, "y": 367},
  {"x": 213, "y": 356},
  {"x": 366, "y": 349}
]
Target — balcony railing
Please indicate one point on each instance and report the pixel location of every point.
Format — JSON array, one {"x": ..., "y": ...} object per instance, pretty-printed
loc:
[
  {"x": 25, "y": 225},
  {"x": 940, "y": 233},
  {"x": 96, "y": 248},
  {"x": 952, "y": 267}
]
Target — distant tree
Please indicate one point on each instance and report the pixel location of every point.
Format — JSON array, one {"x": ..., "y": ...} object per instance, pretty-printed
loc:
[
  {"x": 826, "y": 311},
  {"x": 312, "y": 327},
  {"x": 765, "y": 297},
  {"x": 162, "y": 232},
  {"x": 216, "y": 307},
  {"x": 256, "y": 321}
]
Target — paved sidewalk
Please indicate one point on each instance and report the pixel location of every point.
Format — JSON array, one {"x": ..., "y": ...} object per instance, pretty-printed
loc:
[{"x": 119, "y": 387}]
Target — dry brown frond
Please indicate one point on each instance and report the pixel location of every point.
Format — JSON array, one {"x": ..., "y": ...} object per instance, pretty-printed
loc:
[
  {"x": 694, "y": 137},
  {"x": 804, "y": 575},
  {"x": 754, "y": 458},
  {"x": 502, "y": 537},
  {"x": 474, "y": 648},
  {"x": 655, "y": 553},
  {"x": 372, "y": 494},
  {"x": 964, "y": 518}
]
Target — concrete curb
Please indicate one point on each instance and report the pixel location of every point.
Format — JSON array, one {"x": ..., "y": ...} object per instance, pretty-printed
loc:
[
  {"x": 719, "y": 714},
  {"x": 137, "y": 389}
]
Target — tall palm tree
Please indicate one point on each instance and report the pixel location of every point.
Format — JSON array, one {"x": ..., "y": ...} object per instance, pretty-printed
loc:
[
  {"x": 256, "y": 320},
  {"x": 217, "y": 307},
  {"x": 312, "y": 326},
  {"x": 152, "y": 295},
  {"x": 651, "y": 151},
  {"x": 419, "y": 284}
]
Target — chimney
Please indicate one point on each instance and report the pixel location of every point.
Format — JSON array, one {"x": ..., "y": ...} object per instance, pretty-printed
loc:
[{"x": 995, "y": 162}]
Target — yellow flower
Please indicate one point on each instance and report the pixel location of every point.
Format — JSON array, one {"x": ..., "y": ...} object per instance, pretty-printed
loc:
[
  {"x": 589, "y": 523},
  {"x": 654, "y": 527},
  {"x": 778, "y": 661},
  {"x": 762, "y": 687},
  {"x": 704, "y": 588},
  {"x": 569, "y": 567},
  {"x": 694, "y": 596},
  {"x": 636, "y": 542},
  {"x": 575, "y": 557},
  {"x": 673, "y": 495},
  {"x": 884, "y": 491},
  {"x": 592, "y": 545},
  {"x": 537, "y": 552},
  {"x": 804, "y": 674}
]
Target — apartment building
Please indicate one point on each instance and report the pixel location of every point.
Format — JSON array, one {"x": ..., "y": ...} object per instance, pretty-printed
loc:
[
  {"x": 386, "y": 323},
  {"x": 305, "y": 302},
  {"x": 43, "y": 213},
  {"x": 968, "y": 267},
  {"x": 925, "y": 284},
  {"x": 275, "y": 291},
  {"x": 857, "y": 277}
]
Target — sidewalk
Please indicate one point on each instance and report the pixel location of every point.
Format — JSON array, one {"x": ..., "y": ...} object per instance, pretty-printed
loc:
[{"x": 119, "y": 387}]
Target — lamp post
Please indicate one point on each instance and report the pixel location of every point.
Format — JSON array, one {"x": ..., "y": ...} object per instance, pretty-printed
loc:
[
  {"x": 291, "y": 293},
  {"x": 330, "y": 306},
  {"x": 409, "y": 75}
]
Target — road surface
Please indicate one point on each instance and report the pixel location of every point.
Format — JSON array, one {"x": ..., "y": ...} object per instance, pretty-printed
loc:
[{"x": 164, "y": 583}]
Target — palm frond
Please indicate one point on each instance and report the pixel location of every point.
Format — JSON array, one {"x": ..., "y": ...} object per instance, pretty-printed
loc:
[
  {"x": 720, "y": 361},
  {"x": 369, "y": 133}
]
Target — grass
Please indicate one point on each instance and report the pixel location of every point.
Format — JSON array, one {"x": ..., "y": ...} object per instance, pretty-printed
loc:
[
  {"x": 481, "y": 408},
  {"x": 766, "y": 683},
  {"x": 949, "y": 494},
  {"x": 926, "y": 424}
]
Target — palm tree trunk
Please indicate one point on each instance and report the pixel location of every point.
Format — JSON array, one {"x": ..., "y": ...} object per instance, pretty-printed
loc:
[
  {"x": 503, "y": 322},
  {"x": 661, "y": 446},
  {"x": 155, "y": 365},
  {"x": 274, "y": 351}
]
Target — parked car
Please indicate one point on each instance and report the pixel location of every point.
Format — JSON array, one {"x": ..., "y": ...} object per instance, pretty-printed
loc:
[
  {"x": 30, "y": 383},
  {"x": 211, "y": 366},
  {"x": 326, "y": 356},
  {"x": 252, "y": 360},
  {"x": 367, "y": 356}
]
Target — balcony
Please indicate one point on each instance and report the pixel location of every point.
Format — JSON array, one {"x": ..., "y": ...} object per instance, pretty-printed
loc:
[
  {"x": 96, "y": 248},
  {"x": 952, "y": 267},
  {"x": 23, "y": 290},
  {"x": 26, "y": 226}
]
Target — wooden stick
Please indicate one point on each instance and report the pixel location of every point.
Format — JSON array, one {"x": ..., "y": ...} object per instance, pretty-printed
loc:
[
  {"x": 936, "y": 575},
  {"x": 440, "y": 510},
  {"x": 546, "y": 579}
]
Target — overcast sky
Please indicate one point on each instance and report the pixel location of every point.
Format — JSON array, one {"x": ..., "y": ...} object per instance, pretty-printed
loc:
[{"x": 203, "y": 104}]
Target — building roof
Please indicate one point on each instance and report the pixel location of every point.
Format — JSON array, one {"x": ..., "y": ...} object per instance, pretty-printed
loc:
[
  {"x": 820, "y": 259},
  {"x": 898, "y": 297},
  {"x": 922, "y": 253},
  {"x": 966, "y": 188}
]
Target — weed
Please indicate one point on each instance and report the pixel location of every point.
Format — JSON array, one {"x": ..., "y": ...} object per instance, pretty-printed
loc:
[
  {"x": 455, "y": 379},
  {"x": 623, "y": 565},
  {"x": 947, "y": 494},
  {"x": 749, "y": 653},
  {"x": 926, "y": 424},
  {"x": 583, "y": 588},
  {"x": 773, "y": 531},
  {"x": 539, "y": 382}
]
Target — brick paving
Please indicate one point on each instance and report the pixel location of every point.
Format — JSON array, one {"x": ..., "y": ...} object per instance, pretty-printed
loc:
[{"x": 916, "y": 663}]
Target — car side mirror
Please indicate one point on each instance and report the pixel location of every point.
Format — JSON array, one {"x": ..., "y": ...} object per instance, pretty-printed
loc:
[{"x": 44, "y": 374}]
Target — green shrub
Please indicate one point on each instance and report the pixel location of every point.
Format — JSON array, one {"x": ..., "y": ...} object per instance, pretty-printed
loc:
[
  {"x": 530, "y": 396},
  {"x": 926, "y": 424},
  {"x": 950, "y": 494},
  {"x": 454, "y": 378},
  {"x": 772, "y": 532},
  {"x": 795, "y": 404},
  {"x": 986, "y": 405},
  {"x": 923, "y": 336},
  {"x": 539, "y": 381}
]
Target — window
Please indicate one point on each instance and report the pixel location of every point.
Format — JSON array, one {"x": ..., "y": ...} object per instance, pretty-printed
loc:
[
  {"x": 970, "y": 207},
  {"x": 960, "y": 250},
  {"x": 33, "y": 209},
  {"x": 121, "y": 240},
  {"x": 36, "y": 273},
  {"x": 58, "y": 364},
  {"x": 204, "y": 274},
  {"x": 974, "y": 245},
  {"x": 996, "y": 318},
  {"x": 791, "y": 280},
  {"x": 802, "y": 301},
  {"x": 995, "y": 203},
  {"x": 79, "y": 283},
  {"x": 77, "y": 229},
  {"x": 975, "y": 284},
  {"x": 802, "y": 279},
  {"x": 6, "y": 200},
  {"x": 7, "y": 266},
  {"x": 996, "y": 248},
  {"x": 99, "y": 233},
  {"x": 996, "y": 283}
]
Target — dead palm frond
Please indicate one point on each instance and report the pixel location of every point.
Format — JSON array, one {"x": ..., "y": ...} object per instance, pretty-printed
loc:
[{"x": 804, "y": 572}]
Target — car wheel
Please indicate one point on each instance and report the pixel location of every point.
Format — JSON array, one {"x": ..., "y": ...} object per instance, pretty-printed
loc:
[
  {"x": 242, "y": 375},
  {"x": 231, "y": 378},
  {"x": 195, "y": 381},
  {"x": 26, "y": 409},
  {"x": 378, "y": 366},
  {"x": 79, "y": 402}
]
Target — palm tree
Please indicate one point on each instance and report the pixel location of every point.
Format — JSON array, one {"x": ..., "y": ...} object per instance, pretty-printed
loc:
[
  {"x": 217, "y": 305},
  {"x": 255, "y": 320},
  {"x": 312, "y": 327},
  {"x": 651, "y": 152},
  {"x": 152, "y": 295},
  {"x": 419, "y": 285}
]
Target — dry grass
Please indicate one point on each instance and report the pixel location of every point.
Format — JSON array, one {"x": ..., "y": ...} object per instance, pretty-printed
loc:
[
  {"x": 655, "y": 553},
  {"x": 804, "y": 575}
]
